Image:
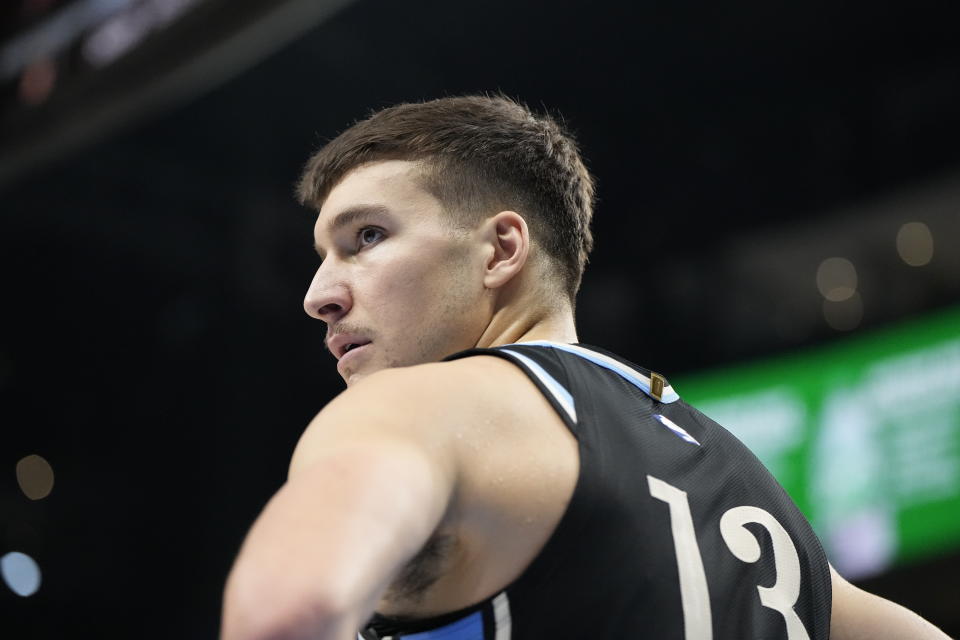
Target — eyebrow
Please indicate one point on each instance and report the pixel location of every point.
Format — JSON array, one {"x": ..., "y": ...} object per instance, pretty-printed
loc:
[{"x": 352, "y": 215}]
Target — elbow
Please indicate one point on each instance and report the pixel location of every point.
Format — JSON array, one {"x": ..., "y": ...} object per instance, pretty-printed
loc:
[{"x": 255, "y": 608}]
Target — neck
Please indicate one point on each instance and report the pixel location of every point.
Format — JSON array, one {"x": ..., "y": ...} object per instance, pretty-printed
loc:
[{"x": 507, "y": 327}]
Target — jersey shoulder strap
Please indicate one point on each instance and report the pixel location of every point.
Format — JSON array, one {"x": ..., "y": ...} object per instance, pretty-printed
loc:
[{"x": 547, "y": 364}]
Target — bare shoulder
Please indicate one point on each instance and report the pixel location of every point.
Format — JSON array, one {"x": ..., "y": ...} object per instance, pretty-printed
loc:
[
  {"x": 514, "y": 464},
  {"x": 437, "y": 405}
]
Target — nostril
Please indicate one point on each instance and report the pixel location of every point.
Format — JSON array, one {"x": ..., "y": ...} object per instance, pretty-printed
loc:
[{"x": 326, "y": 302}]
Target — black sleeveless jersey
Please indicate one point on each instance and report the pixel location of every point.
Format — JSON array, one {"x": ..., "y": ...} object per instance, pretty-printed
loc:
[{"x": 675, "y": 530}]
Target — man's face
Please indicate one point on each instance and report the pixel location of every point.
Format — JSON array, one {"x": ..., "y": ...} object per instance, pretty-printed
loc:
[{"x": 395, "y": 278}]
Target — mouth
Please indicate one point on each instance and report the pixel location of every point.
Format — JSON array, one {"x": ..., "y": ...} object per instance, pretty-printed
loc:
[
  {"x": 351, "y": 352},
  {"x": 348, "y": 347},
  {"x": 342, "y": 344}
]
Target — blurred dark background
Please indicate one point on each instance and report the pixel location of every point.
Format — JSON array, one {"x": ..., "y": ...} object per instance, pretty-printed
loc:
[{"x": 154, "y": 350}]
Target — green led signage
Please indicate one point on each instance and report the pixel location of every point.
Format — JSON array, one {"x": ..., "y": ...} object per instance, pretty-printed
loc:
[{"x": 864, "y": 435}]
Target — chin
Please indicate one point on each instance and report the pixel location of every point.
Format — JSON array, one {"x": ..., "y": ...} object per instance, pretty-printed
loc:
[{"x": 353, "y": 377}]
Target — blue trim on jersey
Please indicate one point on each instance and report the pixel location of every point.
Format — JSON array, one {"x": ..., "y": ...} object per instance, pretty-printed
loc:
[
  {"x": 620, "y": 369},
  {"x": 675, "y": 428},
  {"x": 469, "y": 628},
  {"x": 559, "y": 391}
]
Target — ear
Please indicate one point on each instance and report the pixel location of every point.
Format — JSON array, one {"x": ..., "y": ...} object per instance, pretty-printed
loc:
[{"x": 508, "y": 236}]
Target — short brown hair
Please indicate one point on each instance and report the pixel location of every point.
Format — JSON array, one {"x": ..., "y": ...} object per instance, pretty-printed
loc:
[{"x": 480, "y": 155}]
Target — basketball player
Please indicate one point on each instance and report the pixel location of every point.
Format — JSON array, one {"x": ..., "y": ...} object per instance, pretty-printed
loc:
[{"x": 484, "y": 476}]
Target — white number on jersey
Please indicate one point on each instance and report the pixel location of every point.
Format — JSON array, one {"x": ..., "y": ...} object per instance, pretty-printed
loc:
[{"x": 694, "y": 594}]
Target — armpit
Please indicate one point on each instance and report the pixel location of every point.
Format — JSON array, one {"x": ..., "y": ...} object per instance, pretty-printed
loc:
[{"x": 422, "y": 571}]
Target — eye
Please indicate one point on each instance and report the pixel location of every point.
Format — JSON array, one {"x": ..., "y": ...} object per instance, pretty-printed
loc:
[{"x": 367, "y": 236}]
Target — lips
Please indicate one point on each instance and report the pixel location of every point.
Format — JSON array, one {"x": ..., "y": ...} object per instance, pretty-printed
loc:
[
  {"x": 342, "y": 344},
  {"x": 350, "y": 356},
  {"x": 352, "y": 348}
]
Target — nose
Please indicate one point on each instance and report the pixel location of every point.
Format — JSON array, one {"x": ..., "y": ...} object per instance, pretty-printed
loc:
[{"x": 326, "y": 300}]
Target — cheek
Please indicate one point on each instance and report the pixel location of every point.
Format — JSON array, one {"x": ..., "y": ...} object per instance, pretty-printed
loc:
[
  {"x": 426, "y": 298},
  {"x": 402, "y": 282},
  {"x": 400, "y": 292},
  {"x": 412, "y": 277}
]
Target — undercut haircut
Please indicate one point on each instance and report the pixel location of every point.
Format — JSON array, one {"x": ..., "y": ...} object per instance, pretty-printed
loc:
[{"x": 478, "y": 155}]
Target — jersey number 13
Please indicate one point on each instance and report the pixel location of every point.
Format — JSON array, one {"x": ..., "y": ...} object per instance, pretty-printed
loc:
[{"x": 694, "y": 596}]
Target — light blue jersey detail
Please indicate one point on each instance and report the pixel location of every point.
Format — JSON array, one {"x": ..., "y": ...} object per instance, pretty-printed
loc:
[
  {"x": 677, "y": 429},
  {"x": 562, "y": 396},
  {"x": 469, "y": 628},
  {"x": 629, "y": 374}
]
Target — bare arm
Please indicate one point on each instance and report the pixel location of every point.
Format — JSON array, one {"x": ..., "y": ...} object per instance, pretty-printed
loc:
[
  {"x": 369, "y": 483},
  {"x": 858, "y": 615}
]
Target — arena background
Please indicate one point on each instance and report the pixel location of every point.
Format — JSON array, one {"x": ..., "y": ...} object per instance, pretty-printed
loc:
[{"x": 779, "y": 213}]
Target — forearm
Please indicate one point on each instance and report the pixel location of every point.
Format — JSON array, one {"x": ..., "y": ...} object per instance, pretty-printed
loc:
[
  {"x": 321, "y": 554},
  {"x": 250, "y": 618}
]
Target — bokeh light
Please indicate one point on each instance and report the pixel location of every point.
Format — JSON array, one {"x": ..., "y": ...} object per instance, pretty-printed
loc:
[
  {"x": 35, "y": 477},
  {"x": 915, "y": 244},
  {"x": 21, "y": 573},
  {"x": 837, "y": 279},
  {"x": 843, "y": 315}
]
